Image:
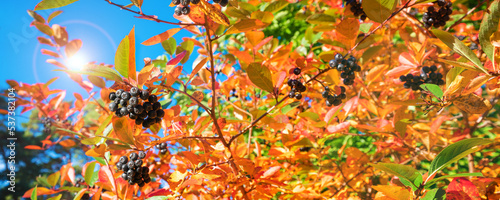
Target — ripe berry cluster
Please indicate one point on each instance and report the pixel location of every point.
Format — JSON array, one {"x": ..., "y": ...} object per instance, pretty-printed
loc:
[
  {"x": 133, "y": 171},
  {"x": 439, "y": 17},
  {"x": 129, "y": 103},
  {"x": 183, "y": 6},
  {"x": 297, "y": 86},
  {"x": 47, "y": 123},
  {"x": 222, "y": 3},
  {"x": 427, "y": 75},
  {"x": 335, "y": 99},
  {"x": 357, "y": 9},
  {"x": 79, "y": 182},
  {"x": 162, "y": 147},
  {"x": 346, "y": 67}
]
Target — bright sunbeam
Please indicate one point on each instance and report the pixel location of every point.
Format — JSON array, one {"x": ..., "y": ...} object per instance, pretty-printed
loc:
[{"x": 76, "y": 62}]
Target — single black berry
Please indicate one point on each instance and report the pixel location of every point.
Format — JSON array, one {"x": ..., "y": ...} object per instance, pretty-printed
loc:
[
  {"x": 132, "y": 116},
  {"x": 148, "y": 106},
  {"x": 296, "y": 71},
  {"x": 152, "y": 98},
  {"x": 224, "y": 3},
  {"x": 139, "y": 121},
  {"x": 160, "y": 113},
  {"x": 156, "y": 105},
  {"x": 123, "y": 102},
  {"x": 298, "y": 96},
  {"x": 123, "y": 111},
  {"x": 134, "y": 91},
  {"x": 119, "y": 92},
  {"x": 176, "y": 2},
  {"x": 125, "y": 95},
  {"x": 138, "y": 109},
  {"x": 134, "y": 156},
  {"x": 113, "y": 106},
  {"x": 144, "y": 95},
  {"x": 112, "y": 96},
  {"x": 133, "y": 101},
  {"x": 185, "y": 2},
  {"x": 142, "y": 155},
  {"x": 185, "y": 10}
]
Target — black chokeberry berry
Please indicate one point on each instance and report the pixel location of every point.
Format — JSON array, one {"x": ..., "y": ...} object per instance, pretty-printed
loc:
[
  {"x": 156, "y": 105},
  {"x": 130, "y": 164},
  {"x": 123, "y": 102},
  {"x": 142, "y": 154},
  {"x": 152, "y": 114},
  {"x": 298, "y": 96},
  {"x": 433, "y": 68},
  {"x": 338, "y": 57},
  {"x": 176, "y": 2},
  {"x": 123, "y": 111},
  {"x": 185, "y": 2},
  {"x": 148, "y": 106},
  {"x": 119, "y": 92},
  {"x": 132, "y": 116},
  {"x": 160, "y": 113},
  {"x": 134, "y": 156},
  {"x": 139, "y": 121},
  {"x": 125, "y": 95},
  {"x": 113, "y": 106},
  {"x": 134, "y": 91},
  {"x": 152, "y": 98},
  {"x": 138, "y": 109},
  {"x": 185, "y": 10},
  {"x": 130, "y": 108},
  {"x": 296, "y": 71},
  {"x": 224, "y": 3},
  {"x": 123, "y": 159},
  {"x": 138, "y": 163},
  {"x": 112, "y": 96},
  {"x": 133, "y": 101},
  {"x": 195, "y": 1},
  {"x": 144, "y": 94},
  {"x": 163, "y": 151}
]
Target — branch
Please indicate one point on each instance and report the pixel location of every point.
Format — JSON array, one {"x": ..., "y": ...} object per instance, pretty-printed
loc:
[
  {"x": 466, "y": 14},
  {"x": 151, "y": 17},
  {"x": 380, "y": 26}
]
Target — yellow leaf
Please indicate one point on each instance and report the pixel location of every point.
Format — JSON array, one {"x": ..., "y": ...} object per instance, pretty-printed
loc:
[
  {"x": 254, "y": 37},
  {"x": 394, "y": 192},
  {"x": 177, "y": 176},
  {"x": 214, "y": 13},
  {"x": 476, "y": 83},
  {"x": 97, "y": 151}
]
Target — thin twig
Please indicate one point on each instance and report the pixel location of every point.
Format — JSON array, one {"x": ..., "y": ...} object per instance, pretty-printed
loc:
[{"x": 466, "y": 14}]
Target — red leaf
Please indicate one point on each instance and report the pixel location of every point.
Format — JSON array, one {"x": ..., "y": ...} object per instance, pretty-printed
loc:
[
  {"x": 160, "y": 192},
  {"x": 161, "y": 37},
  {"x": 56, "y": 63},
  {"x": 462, "y": 189},
  {"x": 339, "y": 127},
  {"x": 172, "y": 63},
  {"x": 271, "y": 171},
  {"x": 406, "y": 59},
  {"x": 50, "y": 53},
  {"x": 398, "y": 71}
]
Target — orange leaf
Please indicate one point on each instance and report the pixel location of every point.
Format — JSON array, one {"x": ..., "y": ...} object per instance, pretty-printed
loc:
[
  {"x": 50, "y": 53},
  {"x": 476, "y": 83},
  {"x": 394, "y": 192},
  {"x": 67, "y": 174},
  {"x": 214, "y": 13},
  {"x": 97, "y": 151},
  {"x": 72, "y": 47},
  {"x": 40, "y": 191},
  {"x": 33, "y": 147},
  {"x": 161, "y": 37},
  {"x": 67, "y": 143},
  {"x": 56, "y": 63},
  {"x": 254, "y": 37},
  {"x": 131, "y": 55},
  {"x": 271, "y": 171}
]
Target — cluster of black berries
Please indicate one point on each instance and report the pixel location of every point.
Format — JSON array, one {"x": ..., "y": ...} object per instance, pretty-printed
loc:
[
  {"x": 439, "y": 17},
  {"x": 222, "y": 3},
  {"x": 427, "y": 75},
  {"x": 129, "y": 103},
  {"x": 47, "y": 124},
  {"x": 297, "y": 86},
  {"x": 346, "y": 67},
  {"x": 357, "y": 9},
  {"x": 162, "y": 147},
  {"x": 133, "y": 171},
  {"x": 335, "y": 99}
]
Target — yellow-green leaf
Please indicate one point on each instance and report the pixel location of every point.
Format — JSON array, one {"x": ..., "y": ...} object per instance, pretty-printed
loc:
[
  {"x": 260, "y": 76},
  {"x": 48, "y": 4},
  {"x": 379, "y": 10},
  {"x": 456, "y": 45},
  {"x": 489, "y": 25}
]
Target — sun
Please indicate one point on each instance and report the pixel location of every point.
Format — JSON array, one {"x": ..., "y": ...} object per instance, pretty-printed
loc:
[{"x": 77, "y": 61}]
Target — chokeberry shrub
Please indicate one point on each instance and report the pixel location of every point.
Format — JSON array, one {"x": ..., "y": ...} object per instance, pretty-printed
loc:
[{"x": 243, "y": 91}]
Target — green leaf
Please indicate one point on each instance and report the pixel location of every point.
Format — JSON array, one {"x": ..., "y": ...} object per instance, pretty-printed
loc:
[
  {"x": 104, "y": 125},
  {"x": 424, "y": 1},
  {"x": 260, "y": 76},
  {"x": 311, "y": 115},
  {"x": 33, "y": 193},
  {"x": 489, "y": 25},
  {"x": 402, "y": 171},
  {"x": 460, "y": 64},
  {"x": 122, "y": 57},
  {"x": 276, "y": 6},
  {"x": 90, "y": 175},
  {"x": 44, "y": 28},
  {"x": 379, "y": 10},
  {"x": 320, "y": 18},
  {"x": 55, "y": 197},
  {"x": 452, "y": 74},
  {"x": 53, "y": 178},
  {"x": 433, "y": 89},
  {"x": 365, "y": 27},
  {"x": 96, "y": 70},
  {"x": 456, "y": 45},
  {"x": 433, "y": 181},
  {"x": 455, "y": 152},
  {"x": 53, "y": 14},
  {"x": 289, "y": 107},
  {"x": 48, "y": 4},
  {"x": 169, "y": 45},
  {"x": 79, "y": 195},
  {"x": 100, "y": 160},
  {"x": 187, "y": 46},
  {"x": 435, "y": 194}
]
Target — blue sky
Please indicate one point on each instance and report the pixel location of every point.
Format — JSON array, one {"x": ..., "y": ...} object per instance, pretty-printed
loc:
[{"x": 99, "y": 25}]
